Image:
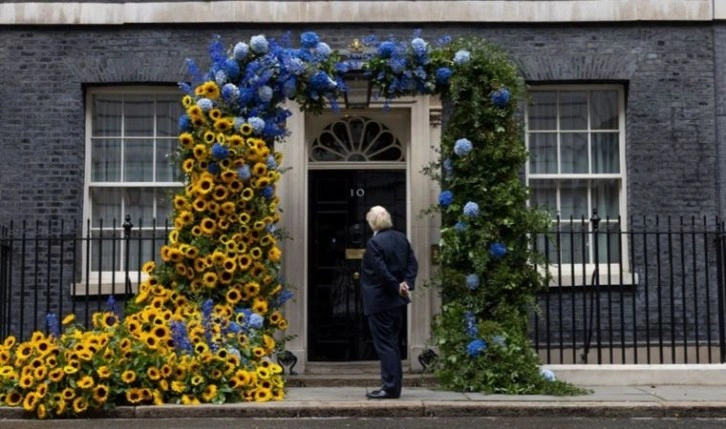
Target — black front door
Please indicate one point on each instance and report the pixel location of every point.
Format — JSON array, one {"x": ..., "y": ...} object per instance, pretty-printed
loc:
[{"x": 339, "y": 201}]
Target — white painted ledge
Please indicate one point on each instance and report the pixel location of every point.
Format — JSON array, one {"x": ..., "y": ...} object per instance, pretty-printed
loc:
[
  {"x": 641, "y": 375},
  {"x": 499, "y": 11}
]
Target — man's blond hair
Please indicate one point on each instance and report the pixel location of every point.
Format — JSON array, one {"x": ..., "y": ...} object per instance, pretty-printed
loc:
[{"x": 378, "y": 218}]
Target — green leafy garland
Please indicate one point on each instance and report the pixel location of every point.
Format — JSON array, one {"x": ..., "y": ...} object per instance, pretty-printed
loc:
[{"x": 488, "y": 277}]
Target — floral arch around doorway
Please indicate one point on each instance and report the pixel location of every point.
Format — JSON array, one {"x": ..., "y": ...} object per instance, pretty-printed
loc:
[{"x": 202, "y": 326}]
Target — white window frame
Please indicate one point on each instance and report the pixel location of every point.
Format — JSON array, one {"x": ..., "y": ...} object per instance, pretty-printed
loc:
[
  {"x": 94, "y": 282},
  {"x": 579, "y": 273}
]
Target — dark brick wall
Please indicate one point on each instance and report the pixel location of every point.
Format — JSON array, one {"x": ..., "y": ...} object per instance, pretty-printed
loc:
[{"x": 675, "y": 110}]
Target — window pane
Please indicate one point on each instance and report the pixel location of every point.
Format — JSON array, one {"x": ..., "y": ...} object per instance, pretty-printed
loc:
[
  {"x": 574, "y": 153},
  {"x": 105, "y": 160},
  {"x": 573, "y": 199},
  {"x": 106, "y": 206},
  {"x": 139, "y": 116},
  {"x": 543, "y": 153},
  {"x": 543, "y": 194},
  {"x": 139, "y": 203},
  {"x": 106, "y": 250},
  {"x": 144, "y": 246},
  {"x": 573, "y": 243},
  {"x": 573, "y": 110},
  {"x": 168, "y": 110},
  {"x": 163, "y": 203},
  {"x": 166, "y": 170},
  {"x": 607, "y": 239},
  {"x": 106, "y": 118},
  {"x": 543, "y": 111},
  {"x": 605, "y": 153},
  {"x": 605, "y": 197},
  {"x": 138, "y": 160},
  {"x": 604, "y": 105}
]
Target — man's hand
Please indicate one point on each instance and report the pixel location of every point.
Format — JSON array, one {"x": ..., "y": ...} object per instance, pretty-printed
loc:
[{"x": 404, "y": 290}]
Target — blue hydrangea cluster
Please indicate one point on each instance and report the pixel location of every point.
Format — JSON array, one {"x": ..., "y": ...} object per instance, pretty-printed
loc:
[
  {"x": 255, "y": 321},
  {"x": 471, "y": 209},
  {"x": 244, "y": 172},
  {"x": 219, "y": 151},
  {"x": 497, "y": 250},
  {"x": 462, "y": 57},
  {"x": 256, "y": 77},
  {"x": 462, "y": 147},
  {"x": 500, "y": 97},
  {"x": 547, "y": 374},
  {"x": 476, "y": 347},
  {"x": 180, "y": 337},
  {"x": 460, "y": 226},
  {"x": 472, "y": 281},
  {"x": 446, "y": 198}
]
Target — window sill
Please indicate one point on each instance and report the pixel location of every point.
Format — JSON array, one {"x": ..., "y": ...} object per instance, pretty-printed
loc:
[{"x": 565, "y": 276}]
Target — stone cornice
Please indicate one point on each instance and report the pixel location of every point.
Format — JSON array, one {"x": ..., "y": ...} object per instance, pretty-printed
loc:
[{"x": 311, "y": 12}]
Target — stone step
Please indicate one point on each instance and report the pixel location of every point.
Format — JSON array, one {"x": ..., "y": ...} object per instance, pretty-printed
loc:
[{"x": 355, "y": 380}]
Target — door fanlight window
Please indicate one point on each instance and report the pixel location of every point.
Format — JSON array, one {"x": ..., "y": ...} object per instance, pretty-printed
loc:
[{"x": 356, "y": 139}]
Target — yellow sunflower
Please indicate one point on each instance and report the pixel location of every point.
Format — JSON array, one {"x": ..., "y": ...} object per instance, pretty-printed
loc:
[
  {"x": 134, "y": 395},
  {"x": 128, "y": 376},
  {"x": 100, "y": 394}
]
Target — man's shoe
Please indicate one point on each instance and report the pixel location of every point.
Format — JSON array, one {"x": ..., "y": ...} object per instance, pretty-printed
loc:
[{"x": 381, "y": 394}]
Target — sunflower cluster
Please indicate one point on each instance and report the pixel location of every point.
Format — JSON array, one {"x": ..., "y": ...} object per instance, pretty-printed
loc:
[{"x": 201, "y": 328}]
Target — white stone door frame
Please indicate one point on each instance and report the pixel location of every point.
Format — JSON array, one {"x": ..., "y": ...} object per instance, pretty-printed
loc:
[{"x": 423, "y": 134}]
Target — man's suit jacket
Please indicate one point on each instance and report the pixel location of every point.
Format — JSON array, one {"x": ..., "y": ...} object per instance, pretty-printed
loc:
[{"x": 387, "y": 261}]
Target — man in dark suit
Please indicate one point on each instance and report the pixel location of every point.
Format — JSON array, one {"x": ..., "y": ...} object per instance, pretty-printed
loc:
[{"x": 388, "y": 274}]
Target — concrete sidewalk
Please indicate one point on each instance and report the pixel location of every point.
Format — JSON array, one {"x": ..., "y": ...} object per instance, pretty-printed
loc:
[{"x": 604, "y": 401}]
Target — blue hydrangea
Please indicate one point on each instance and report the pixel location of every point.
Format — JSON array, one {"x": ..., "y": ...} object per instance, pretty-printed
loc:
[
  {"x": 220, "y": 77},
  {"x": 443, "y": 74},
  {"x": 219, "y": 151},
  {"x": 323, "y": 50},
  {"x": 386, "y": 49},
  {"x": 234, "y": 352},
  {"x": 309, "y": 40},
  {"x": 500, "y": 97},
  {"x": 476, "y": 347},
  {"x": 460, "y": 226},
  {"x": 184, "y": 123},
  {"x": 472, "y": 281},
  {"x": 289, "y": 88},
  {"x": 205, "y": 104},
  {"x": 446, "y": 198},
  {"x": 462, "y": 147},
  {"x": 497, "y": 250},
  {"x": 240, "y": 51},
  {"x": 244, "y": 172},
  {"x": 231, "y": 68},
  {"x": 462, "y": 57},
  {"x": 52, "y": 325},
  {"x": 234, "y": 328},
  {"x": 419, "y": 46},
  {"x": 271, "y": 163},
  {"x": 268, "y": 192},
  {"x": 547, "y": 374},
  {"x": 259, "y": 44},
  {"x": 230, "y": 92},
  {"x": 294, "y": 65},
  {"x": 471, "y": 209},
  {"x": 257, "y": 124},
  {"x": 320, "y": 81},
  {"x": 255, "y": 321},
  {"x": 214, "y": 168},
  {"x": 238, "y": 122},
  {"x": 265, "y": 93},
  {"x": 471, "y": 328}
]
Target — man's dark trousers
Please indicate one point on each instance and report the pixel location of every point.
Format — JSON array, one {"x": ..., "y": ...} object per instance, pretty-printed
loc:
[{"x": 386, "y": 330}]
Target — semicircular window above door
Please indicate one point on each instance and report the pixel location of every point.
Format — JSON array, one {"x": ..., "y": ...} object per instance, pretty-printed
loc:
[{"x": 356, "y": 139}]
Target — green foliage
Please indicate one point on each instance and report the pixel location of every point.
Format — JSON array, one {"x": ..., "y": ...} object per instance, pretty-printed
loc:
[{"x": 504, "y": 293}]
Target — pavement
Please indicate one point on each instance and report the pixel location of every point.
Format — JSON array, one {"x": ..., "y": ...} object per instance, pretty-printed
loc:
[{"x": 655, "y": 401}]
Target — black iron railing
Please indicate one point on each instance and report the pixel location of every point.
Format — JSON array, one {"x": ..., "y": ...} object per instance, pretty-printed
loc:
[
  {"x": 55, "y": 267},
  {"x": 646, "y": 291},
  {"x": 649, "y": 290}
]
